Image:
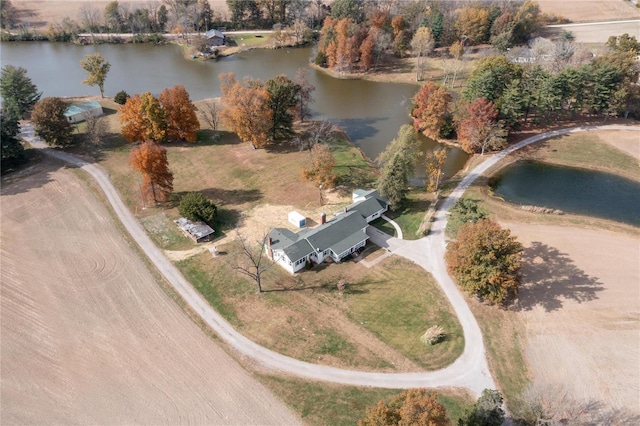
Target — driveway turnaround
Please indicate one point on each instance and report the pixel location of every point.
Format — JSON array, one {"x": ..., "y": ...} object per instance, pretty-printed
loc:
[{"x": 469, "y": 371}]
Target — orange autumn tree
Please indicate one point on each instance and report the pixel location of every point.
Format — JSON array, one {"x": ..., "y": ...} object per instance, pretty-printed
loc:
[
  {"x": 142, "y": 118},
  {"x": 150, "y": 159},
  {"x": 246, "y": 111},
  {"x": 411, "y": 407},
  {"x": 320, "y": 171},
  {"x": 180, "y": 114},
  {"x": 432, "y": 104}
]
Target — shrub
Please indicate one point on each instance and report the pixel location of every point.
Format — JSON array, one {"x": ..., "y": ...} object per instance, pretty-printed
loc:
[
  {"x": 121, "y": 97},
  {"x": 433, "y": 335},
  {"x": 196, "y": 207},
  {"x": 465, "y": 211}
]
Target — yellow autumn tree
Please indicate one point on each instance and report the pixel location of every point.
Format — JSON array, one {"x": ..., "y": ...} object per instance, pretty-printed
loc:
[{"x": 143, "y": 118}]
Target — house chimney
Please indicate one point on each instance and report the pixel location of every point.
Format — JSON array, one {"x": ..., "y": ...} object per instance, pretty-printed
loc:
[
  {"x": 323, "y": 218},
  {"x": 269, "y": 249}
]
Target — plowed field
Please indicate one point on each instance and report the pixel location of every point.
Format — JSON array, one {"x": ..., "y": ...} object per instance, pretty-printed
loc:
[{"x": 89, "y": 337}]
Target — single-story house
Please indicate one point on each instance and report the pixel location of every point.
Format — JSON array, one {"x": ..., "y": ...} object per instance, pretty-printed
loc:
[
  {"x": 80, "y": 112},
  {"x": 335, "y": 239},
  {"x": 215, "y": 38},
  {"x": 198, "y": 231},
  {"x": 369, "y": 204}
]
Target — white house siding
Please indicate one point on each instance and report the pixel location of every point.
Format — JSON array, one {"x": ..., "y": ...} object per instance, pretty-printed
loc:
[{"x": 351, "y": 250}]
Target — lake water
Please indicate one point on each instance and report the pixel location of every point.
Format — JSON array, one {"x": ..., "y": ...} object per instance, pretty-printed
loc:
[
  {"x": 371, "y": 113},
  {"x": 571, "y": 190}
]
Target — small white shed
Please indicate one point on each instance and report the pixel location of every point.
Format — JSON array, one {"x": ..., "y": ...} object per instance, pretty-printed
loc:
[{"x": 297, "y": 220}]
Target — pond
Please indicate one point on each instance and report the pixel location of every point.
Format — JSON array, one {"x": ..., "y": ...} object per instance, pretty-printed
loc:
[
  {"x": 370, "y": 112},
  {"x": 571, "y": 190}
]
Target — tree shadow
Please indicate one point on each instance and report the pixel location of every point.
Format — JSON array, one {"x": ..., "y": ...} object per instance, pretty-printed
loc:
[
  {"x": 297, "y": 283},
  {"x": 358, "y": 128},
  {"x": 281, "y": 146},
  {"x": 549, "y": 276},
  {"x": 35, "y": 172}
]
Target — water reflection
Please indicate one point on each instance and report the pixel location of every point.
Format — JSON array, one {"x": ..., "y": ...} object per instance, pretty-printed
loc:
[{"x": 371, "y": 113}]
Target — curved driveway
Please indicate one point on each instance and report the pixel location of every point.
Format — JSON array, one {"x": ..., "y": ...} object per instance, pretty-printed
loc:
[{"x": 470, "y": 370}]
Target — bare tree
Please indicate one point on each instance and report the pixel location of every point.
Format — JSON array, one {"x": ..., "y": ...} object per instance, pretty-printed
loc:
[
  {"x": 96, "y": 129},
  {"x": 422, "y": 45},
  {"x": 253, "y": 261},
  {"x": 305, "y": 94},
  {"x": 90, "y": 19},
  {"x": 210, "y": 113},
  {"x": 321, "y": 131},
  {"x": 546, "y": 404}
]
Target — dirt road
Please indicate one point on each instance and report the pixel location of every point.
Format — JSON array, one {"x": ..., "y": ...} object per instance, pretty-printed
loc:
[{"x": 89, "y": 337}]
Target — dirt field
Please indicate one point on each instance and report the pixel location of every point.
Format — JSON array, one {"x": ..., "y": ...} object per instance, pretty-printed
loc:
[
  {"x": 40, "y": 13},
  {"x": 89, "y": 337},
  {"x": 597, "y": 34},
  {"x": 590, "y": 10},
  {"x": 580, "y": 303}
]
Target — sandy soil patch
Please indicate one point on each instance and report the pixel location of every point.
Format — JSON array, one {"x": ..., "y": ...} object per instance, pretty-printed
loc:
[
  {"x": 256, "y": 222},
  {"x": 591, "y": 10},
  {"x": 89, "y": 337},
  {"x": 580, "y": 303},
  {"x": 626, "y": 141}
]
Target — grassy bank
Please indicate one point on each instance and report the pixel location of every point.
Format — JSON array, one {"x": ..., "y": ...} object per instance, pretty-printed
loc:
[
  {"x": 335, "y": 405},
  {"x": 589, "y": 150}
]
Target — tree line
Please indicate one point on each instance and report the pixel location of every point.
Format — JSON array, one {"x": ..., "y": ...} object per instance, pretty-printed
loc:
[
  {"x": 357, "y": 34},
  {"x": 501, "y": 95}
]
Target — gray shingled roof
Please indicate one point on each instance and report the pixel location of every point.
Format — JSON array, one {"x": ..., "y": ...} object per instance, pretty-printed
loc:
[
  {"x": 281, "y": 238},
  {"x": 367, "y": 207},
  {"x": 339, "y": 234},
  {"x": 298, "y": 250}
]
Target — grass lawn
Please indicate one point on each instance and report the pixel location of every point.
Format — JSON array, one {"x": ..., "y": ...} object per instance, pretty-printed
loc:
[
  {"x": 503, "y": 335},
  {"x": 351, "y": 167},
  {"x": 409, "y": 216},
  {"x": 250, "y": 40},
  {"x": 335, "y": 405},
  {"x": 375, "y": 325},
  {"x": 398, "y": 303}
]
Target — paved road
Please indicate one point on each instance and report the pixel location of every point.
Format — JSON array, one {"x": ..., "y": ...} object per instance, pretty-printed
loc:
[{"x": 469, "y": 371}]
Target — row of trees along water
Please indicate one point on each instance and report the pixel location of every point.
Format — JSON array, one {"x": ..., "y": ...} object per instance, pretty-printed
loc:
[{"x": 501, "y": 23}]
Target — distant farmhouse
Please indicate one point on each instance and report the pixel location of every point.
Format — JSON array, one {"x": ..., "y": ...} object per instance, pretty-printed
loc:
[
  {"x": 331, "y": 240},
  {"x": 198, "y": 231},
  {"x": 80, "y": 112},
  {"x": 215, "y": 38}
]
